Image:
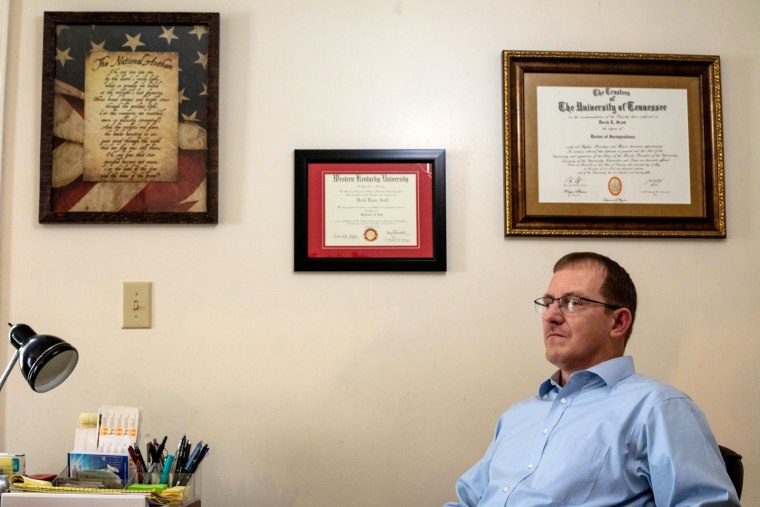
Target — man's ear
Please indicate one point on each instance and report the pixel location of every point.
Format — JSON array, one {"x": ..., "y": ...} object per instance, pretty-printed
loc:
[{"x": 623, "y": 322}]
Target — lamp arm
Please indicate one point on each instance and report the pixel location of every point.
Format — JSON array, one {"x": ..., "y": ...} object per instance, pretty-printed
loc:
[{"x": 9, "y": 368}]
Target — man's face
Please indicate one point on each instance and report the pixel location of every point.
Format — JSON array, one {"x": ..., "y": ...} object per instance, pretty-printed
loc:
[{"x": 581, "y": 339}]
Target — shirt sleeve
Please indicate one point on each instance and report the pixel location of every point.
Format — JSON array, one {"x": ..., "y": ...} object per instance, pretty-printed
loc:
[
  {"x": 681, "y": 457},
  {"x": 471, "y": 486}
]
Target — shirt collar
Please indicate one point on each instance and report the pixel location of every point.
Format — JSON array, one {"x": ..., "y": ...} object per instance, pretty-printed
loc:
[{"x": 611, "y": 372}]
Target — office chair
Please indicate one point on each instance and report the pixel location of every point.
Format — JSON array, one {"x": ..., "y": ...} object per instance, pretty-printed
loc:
[{"x": 734, "y": 467}]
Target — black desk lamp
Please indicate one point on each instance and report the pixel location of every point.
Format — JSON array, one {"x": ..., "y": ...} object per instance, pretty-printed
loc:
[{"x": 46, "y": 361}]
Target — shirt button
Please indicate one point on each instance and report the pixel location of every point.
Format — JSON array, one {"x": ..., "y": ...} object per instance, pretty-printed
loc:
[
  {"x": 505, "y": 489},
  {"x": 530, "y": 465},
  {"x": 563, "y": 400},
  {"x": 546, "y": 430}
]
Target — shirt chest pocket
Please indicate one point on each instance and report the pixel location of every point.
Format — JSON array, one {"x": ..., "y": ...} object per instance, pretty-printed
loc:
[{"x": 569, "y": 469}]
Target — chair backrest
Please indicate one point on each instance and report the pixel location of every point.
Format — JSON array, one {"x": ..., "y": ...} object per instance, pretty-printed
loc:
[{"x": 734, "y": 467}]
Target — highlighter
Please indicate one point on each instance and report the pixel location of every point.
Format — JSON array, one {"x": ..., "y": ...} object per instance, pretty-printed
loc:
[
  {"x": 147, "y": 487},
  {"x": 167, "y": 469}
]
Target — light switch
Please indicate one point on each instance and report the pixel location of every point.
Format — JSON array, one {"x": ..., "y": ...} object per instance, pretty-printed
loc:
[{"x": 136, "y": 303}]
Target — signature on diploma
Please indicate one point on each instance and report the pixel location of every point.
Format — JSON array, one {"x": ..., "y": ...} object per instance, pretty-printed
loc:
[
  {"x": 397, "y": 236},
  {"x": 655, "y": 192},
  {"x": 654, "y": 182},
  {"x": 574, "y": 181},
  {"x": 574, "y": 186},
  {"x": 345, "y": 236}
]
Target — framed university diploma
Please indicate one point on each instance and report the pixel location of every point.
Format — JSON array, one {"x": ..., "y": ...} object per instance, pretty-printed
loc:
[
  {"x": 611, "y": 144},
  {"x": 129, "y": 117},
  {"x": 370, "y": 210}
]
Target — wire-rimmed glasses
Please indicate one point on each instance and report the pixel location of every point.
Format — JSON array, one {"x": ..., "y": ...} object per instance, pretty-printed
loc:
[{"x": 568, "y": 304}]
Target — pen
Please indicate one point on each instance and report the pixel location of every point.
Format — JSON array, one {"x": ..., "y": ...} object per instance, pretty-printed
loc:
[
  {"x": 160, "y": 450},
  {"x": 178, "y": 458},
  {"x": 167, "y": 469},
  {"x": 192, "y": 468},
  {"x": 178, "y": 454},
  {"x": 188, "y": 464},
  {"x": 186, "y": 454},
  {"x": 201, "y": 455},
  {"x": 183, "y": 476}
]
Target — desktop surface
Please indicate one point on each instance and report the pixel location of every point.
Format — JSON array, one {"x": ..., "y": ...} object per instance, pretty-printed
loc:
[{"x": 76, "y": 500}]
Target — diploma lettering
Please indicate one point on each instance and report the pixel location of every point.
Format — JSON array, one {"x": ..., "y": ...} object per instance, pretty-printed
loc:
[
  {"x": 613, "y": 145},
  {"x": 374, "y": 210}
]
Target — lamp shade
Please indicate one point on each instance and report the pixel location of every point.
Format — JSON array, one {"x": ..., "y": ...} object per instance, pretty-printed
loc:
[{"x": 46, "y": 361}]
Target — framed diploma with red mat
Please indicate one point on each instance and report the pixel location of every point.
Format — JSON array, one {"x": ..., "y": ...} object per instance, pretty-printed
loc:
[{"x": 370, "y": 210}]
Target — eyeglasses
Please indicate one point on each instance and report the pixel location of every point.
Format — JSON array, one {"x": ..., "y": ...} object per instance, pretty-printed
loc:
[{"x": 568, "y": 304}]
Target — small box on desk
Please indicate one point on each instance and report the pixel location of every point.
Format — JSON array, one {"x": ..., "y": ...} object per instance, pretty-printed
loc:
[
  {"x": 12, "y": 464},
  {"x": 111, "y": 469}
]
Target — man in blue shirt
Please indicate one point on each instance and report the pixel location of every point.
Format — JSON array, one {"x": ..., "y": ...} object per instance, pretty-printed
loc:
[{"x": 598, "y": 433}]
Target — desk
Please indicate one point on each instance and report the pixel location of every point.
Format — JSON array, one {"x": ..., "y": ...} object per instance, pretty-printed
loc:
[
  {"x": 70, "y": 500},
  {"x": 75, "y": 500}
]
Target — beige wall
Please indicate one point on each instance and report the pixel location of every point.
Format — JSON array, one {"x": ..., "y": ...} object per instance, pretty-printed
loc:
[{"x": 367, "y": 390}]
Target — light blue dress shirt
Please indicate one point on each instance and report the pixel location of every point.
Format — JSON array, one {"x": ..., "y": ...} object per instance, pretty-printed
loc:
[{"x": 610, "y": 437}]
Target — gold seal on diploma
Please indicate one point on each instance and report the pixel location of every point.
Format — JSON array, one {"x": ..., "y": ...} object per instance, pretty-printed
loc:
[
  {"x": 370, "y": 234},
  {"x": 615, "y": 186}
]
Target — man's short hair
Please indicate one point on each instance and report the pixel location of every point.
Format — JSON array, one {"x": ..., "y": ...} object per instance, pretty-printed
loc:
[{"x": 617, "y": 288}]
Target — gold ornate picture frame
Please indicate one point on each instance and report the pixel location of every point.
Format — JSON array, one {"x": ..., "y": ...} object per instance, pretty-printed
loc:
[{"x": 613, "y": 144}]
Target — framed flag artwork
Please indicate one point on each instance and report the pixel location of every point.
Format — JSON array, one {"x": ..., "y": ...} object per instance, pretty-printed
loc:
[{"x": 129, "y": 118}]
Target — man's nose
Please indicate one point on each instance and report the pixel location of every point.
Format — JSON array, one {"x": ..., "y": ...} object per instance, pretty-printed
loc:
[{"x": 553, "y": 312}]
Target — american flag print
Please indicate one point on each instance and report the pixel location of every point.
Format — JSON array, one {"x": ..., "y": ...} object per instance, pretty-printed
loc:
[{"x": 70, "y": 193}]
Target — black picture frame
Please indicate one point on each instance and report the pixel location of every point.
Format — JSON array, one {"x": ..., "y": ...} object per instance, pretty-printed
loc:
[
  {"x": 427, "y": 167},
  {"x": 190, "y": 194}
]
